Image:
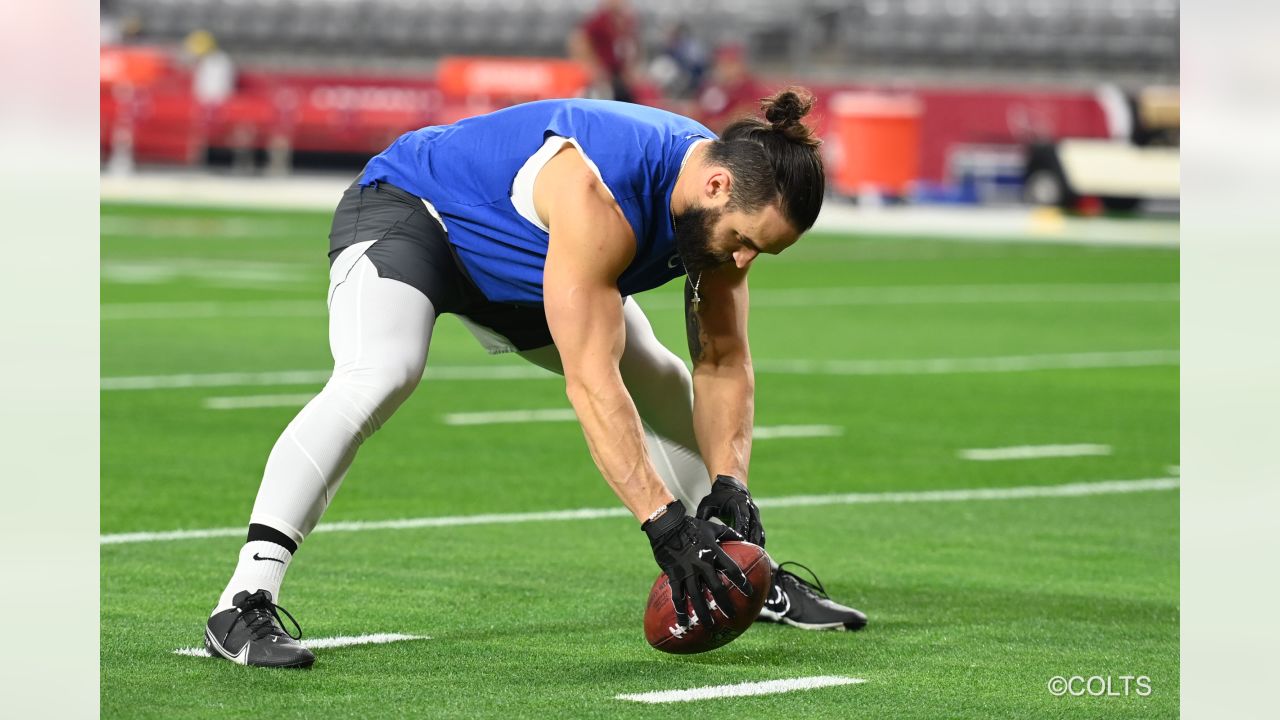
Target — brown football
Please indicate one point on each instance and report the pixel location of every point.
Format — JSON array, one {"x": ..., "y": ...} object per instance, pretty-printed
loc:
[{"x": 660, "y": 627}]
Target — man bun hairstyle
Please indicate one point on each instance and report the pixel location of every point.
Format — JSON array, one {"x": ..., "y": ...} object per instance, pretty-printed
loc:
[{"x": 776, "y": 159}]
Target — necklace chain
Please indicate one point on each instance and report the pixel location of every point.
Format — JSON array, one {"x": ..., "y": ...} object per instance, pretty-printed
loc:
[{"x": 698, "y": 280}]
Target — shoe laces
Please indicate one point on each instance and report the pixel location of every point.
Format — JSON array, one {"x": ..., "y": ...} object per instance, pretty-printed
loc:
[
  {"x": 820, "y": 591},
  {"x": 262, "y": 618}
]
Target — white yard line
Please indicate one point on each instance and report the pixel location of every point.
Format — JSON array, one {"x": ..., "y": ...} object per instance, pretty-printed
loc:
[
  {"x": 210, "y": 271},
  {"x": 1081, "y": 489},
  {"x": 227, "y": 379},
  {"x": 1105, "y": 487},
  {"x": 762, "y": 299},
  {"x": 543, "y": 415},
  {"x": 776, "y": 432},
  {"x": 503, "y": 417},
  {"x": 312, "y": 377},
  {"x": 1029, "y": 452},
  {"x": 948, "y": 295},
  {"x": 511, "y": 416},
  {"x": 329, "y": 642},
  {"x": 768, "y": 687},
  {"x": 200, "y": 310},
  {"x": 244, "y": 402},
  {"x": 911, "y": 366},
  {"x": 944, "y": 366}
]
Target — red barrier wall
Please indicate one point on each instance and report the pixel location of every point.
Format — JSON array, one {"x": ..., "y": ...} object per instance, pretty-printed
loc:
[
  {"x": 362, "y": 114},
  {"x": 1003, "y": 116}
]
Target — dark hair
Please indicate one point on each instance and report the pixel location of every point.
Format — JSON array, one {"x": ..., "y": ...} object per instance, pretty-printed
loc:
[{"x": 775, "y": 159}]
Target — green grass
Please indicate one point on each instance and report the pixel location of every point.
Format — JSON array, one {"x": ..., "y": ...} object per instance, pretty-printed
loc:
[{"x": 973, "y": 605}]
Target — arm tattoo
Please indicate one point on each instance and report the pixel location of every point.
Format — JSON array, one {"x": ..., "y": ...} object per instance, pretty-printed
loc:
[{"x": 693, "y": 323}]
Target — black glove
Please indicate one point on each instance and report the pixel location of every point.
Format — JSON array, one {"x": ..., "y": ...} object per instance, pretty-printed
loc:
[
  {"x": 731, "y": 502},
  {"x": 687, "y": 551}
]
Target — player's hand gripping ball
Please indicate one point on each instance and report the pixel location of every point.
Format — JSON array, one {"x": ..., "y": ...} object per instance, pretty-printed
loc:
[
  {"x": 663, "y": 630},
  {"x": 730, "y": 501}
]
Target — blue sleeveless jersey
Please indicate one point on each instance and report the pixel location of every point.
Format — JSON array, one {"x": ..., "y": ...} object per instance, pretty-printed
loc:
[{"x": 466, "y": 171}]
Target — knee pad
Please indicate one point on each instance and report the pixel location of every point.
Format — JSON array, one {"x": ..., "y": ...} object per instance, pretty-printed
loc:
[{"x": 371, "y": 394}]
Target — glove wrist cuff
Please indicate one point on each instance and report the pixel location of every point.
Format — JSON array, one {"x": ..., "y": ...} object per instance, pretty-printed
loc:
[
  {"x": 664, "y": 520},
  {"x": 732, "y": 482}
]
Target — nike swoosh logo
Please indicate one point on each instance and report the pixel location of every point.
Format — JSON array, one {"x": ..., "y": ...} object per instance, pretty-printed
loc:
[
  {"x": 256, "y": 556},
  {"x": 778, "y": 598},
  {"x": 704, "y": 552}
]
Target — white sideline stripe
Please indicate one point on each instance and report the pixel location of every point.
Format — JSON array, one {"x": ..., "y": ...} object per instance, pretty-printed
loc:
[
  {"x": 194, "y": 227},
  {"x": 764, "y": 299},
  {"x": 1027, "y": 452},
  {"x": 1013, "y": 224},
  {"x": 320, "y": 643},
  {"x": 944, "y": 366},
  {"x": 1105, "y": 487},
  {"x": 768, "y": 687},
  {"x": 913, "y": 366}
]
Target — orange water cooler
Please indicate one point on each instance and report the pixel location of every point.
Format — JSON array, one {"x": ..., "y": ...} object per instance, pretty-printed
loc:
[{"x": 876, "y": 142}]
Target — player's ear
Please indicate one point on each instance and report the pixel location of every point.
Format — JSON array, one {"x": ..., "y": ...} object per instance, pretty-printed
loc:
[{"x": 717, "y": 185}]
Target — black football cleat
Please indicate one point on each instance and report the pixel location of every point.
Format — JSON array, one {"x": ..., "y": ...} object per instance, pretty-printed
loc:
[
  {"x": 251, "y": 634},
  {"x": 798, "y": 603}
]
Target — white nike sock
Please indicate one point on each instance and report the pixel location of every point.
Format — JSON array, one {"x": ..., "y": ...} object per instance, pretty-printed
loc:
[{"x": 261, "y": 567}]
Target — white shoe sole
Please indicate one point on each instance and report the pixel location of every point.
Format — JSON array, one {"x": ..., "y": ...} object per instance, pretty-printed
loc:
[
  {"x": 769, "y": 616},
  {"x": 815, "y": 626}
]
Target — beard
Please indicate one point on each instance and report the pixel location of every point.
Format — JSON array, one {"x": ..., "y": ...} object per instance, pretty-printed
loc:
[{"x": 693, "y": 229}]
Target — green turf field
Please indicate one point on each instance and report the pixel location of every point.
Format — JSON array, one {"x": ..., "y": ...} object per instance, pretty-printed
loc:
[{"x": 911, "y": 350}]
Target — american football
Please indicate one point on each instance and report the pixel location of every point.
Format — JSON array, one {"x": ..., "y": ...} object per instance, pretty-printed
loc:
[{"x": 662, "y": 631}]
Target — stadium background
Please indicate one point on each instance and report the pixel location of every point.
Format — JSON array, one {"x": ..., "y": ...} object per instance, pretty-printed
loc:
[{"x": 971, "y": 285}]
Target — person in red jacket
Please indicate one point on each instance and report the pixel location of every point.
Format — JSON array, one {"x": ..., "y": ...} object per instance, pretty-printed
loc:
[
  {"x": 608, "y": 43},
  {"x": 732, "y": 90}
]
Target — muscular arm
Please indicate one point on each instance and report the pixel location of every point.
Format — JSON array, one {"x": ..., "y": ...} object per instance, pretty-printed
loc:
[
  {"x": 723, "y": 379},
  {"x": 591, "y": 244}
]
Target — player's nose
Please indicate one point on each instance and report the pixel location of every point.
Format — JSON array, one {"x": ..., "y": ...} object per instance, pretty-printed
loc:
[{"x": 744, "y": 257}]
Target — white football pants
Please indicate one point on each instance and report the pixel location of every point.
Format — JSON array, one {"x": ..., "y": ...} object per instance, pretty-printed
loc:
[{"x": 379, "y": 334}]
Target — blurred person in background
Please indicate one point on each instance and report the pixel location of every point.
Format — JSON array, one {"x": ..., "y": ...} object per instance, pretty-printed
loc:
[
  {"x": 110, "y": 30},
  {"x": 213, "y": 80},
  {"x": 119, "y": 30},
  {"x": 536, "y": 225},
  {"x": 213, "y": 74},
  {"x": 682, "y": 64},
  {"x": 607, "y": 42},
  {"x": 732, "y": 89}
]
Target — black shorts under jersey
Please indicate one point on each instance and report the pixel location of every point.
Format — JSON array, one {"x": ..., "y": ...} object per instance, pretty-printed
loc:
[{"x": 412, "y": 247}]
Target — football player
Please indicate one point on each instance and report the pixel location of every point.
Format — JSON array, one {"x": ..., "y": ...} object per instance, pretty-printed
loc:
[{"x": 537, "y": 225}]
